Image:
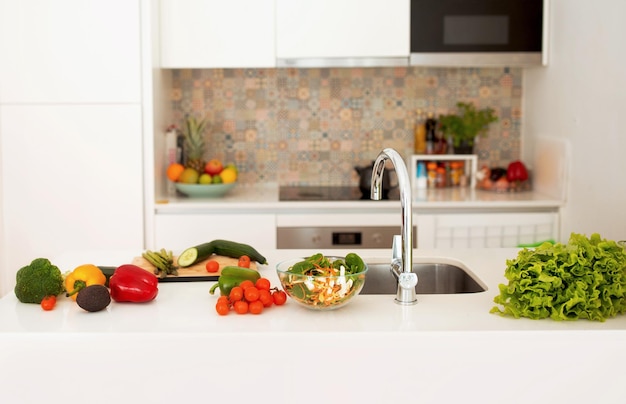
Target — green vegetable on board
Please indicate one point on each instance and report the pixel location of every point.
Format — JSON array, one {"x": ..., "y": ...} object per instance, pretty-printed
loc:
[
  {"x": 583, "y": 279},
  {"x": 227, "y": 248},
  {"x": 37, "y": 280}
]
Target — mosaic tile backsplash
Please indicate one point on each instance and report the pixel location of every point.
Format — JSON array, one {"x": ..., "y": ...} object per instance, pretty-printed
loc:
[{"x": 312, "y": 126}]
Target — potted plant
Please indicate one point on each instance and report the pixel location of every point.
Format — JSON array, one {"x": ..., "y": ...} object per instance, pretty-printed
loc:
[{"x": 466, "y": 126}]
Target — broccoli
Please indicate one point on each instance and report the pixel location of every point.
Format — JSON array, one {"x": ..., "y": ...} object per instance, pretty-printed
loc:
[{"x": 37, "y": 280}]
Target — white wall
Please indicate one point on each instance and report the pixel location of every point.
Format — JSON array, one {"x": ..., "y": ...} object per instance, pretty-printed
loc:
[{"x": 581, "y": 96}]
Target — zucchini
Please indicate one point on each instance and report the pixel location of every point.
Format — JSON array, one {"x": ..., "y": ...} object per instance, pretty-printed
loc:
[{"x": 226, "y": 248}]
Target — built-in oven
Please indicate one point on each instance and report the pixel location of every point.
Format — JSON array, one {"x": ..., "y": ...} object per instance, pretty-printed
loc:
[
  {"x": 479, "y": 32},
  {"x": 318, "y": 234},
  {"x": 337, "y": 237}
]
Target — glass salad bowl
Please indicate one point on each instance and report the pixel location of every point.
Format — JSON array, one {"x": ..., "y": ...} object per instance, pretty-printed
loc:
[{"x": 322, "y": 283}]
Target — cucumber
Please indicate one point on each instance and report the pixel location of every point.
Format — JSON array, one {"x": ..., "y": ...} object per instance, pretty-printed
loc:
[
  {"x": 195, "y": 254},
  {"x": 236, "y": 250},
  {"x": 240, "y": 272},
  {"x": 226, "y": 248}
]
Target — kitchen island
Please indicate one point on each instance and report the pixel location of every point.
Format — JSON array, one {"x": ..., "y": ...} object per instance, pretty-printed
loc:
[{"x": 446, "y": 348}]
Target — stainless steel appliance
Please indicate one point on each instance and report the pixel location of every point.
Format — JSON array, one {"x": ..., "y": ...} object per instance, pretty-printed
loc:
[
  {"x": 479, "y": 32},
  {"x": 337, "y": 237},
  {"x": 324, "y": 236},
  {"x": 329, "y": 193}
]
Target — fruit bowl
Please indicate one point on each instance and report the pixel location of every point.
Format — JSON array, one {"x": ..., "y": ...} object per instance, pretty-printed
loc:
[
  {"x": 204, "y": 190},
  {"x": 317, "y": 289}
]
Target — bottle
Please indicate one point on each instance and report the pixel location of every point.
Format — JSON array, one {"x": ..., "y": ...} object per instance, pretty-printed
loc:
[
  {"x": 441, "y": 145},
  {"x": 431, "y": 168},
  {"x": 440, "y": 177},
  {"x": 171, "y": 154},
  {"x": 431, "y": 132},
  {"x": 171, "y": 145},
  {"x": 419, "y": 145},
  {"x": 421, "y": 181}
]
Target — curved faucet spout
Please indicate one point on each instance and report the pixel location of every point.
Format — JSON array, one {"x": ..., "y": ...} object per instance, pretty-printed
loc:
[{"x": 407, "y": 279}]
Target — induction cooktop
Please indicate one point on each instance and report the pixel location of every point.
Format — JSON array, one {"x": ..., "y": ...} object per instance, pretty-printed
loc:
[{"x": 327, "y": 193}]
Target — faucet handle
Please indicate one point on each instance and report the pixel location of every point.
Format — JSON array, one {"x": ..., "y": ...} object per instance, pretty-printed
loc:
[{"x": 396, "y": 248}]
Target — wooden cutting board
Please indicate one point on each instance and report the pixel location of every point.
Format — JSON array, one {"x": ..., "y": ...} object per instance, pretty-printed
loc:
[{"x": 196, "y": 272}]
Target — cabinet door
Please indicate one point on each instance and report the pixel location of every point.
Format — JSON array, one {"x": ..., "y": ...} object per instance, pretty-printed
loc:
[
  {"x": 72, "y": 180},
  {"x": 342, "y": 28},
  {"x": 179, "y": 231},
  {"x": 217, "y": 33},
  {"x": 492, "y": 230},
  {"x": 70, "y": 51}
]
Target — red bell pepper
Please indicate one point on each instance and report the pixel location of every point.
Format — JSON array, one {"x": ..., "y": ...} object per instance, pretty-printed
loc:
[
  {"x": 516, "y": 172},
  {"x": 130, "y": 283}
]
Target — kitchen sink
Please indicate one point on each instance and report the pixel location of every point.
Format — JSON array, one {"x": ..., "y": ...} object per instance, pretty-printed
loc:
[{"x": 439, "y": 276}]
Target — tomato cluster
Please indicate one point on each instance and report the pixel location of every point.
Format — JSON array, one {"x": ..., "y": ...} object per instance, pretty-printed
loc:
[{"x": 250, "y": 297}]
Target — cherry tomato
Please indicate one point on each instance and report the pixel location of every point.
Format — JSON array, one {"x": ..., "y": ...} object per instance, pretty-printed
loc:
[
  {"x": 246, "y": 284},
  {"x": 223, "y": 299},
  {"x": 279, "y": 297},
  {"x": 265, "y": 297},
  {"x": 48, "y": 302},
  {"x": 241, "y": 307},
  {"x": 212, "y": 266},
  {"x": 251, "y": 294},
  {"x": 236, "y": 294},
  {"x": 263, "y": 284},
  {"x": 244, "y": 261},
  {"x": 222, "y": 308},
  {"x": 256, "y": 307}
]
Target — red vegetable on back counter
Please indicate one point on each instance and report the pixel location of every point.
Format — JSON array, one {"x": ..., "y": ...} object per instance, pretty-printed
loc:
[
  {"x": 130, "y": 283},
  {"x": 516, "y": 172}
]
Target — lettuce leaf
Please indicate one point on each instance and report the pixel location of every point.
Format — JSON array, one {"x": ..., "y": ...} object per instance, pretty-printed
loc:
[{"x": 583, "y": 279}]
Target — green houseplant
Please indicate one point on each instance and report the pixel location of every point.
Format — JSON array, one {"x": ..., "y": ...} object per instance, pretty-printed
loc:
[{"x": 465, "y": 126}]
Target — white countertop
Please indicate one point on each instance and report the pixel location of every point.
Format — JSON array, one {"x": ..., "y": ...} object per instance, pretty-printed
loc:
[
  {"x": 264, "y": 197},
  {"x": 446, "y": 348},
  {"x": 183, "y": 303}
]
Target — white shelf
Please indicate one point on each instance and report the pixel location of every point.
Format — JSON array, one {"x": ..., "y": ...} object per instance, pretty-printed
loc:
[{"x": 470, "y": 166}]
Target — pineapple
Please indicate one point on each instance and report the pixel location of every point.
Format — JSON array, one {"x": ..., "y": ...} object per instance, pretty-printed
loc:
[{"x": 194, "y": 143}]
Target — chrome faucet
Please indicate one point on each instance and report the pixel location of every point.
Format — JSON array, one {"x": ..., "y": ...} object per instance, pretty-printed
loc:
[{"x": 402, "y": 249}]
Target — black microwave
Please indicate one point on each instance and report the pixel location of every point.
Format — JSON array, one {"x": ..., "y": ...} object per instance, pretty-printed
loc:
[{"x": 479, "y": 32}]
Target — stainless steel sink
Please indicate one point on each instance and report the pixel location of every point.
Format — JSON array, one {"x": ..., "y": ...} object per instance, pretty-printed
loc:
[{"x": 440, "y": 276}]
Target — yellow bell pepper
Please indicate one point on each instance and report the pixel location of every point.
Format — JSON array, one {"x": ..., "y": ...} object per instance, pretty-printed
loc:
[{"x": 81, "y": 277}]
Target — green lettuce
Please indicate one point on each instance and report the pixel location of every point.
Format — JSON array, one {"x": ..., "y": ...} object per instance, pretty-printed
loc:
[{"x": 583, "y": 279}]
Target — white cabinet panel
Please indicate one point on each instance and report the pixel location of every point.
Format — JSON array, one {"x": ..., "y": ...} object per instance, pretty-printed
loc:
[
  {"x": 70, "y": 51},
  {"x": 217, "y": 33},
  {"x": 342, "y": 28},
  {"x": 491, "y": 230},
  {"x": 72, "y": 180},
  {"x": 179, "y": 231}
]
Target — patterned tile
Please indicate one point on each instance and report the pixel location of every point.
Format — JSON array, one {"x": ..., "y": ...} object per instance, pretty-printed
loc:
[{"x": 312, "y": 126}]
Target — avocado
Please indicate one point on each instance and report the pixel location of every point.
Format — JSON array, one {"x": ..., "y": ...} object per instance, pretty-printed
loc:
[{"x": 93, "y": 298}]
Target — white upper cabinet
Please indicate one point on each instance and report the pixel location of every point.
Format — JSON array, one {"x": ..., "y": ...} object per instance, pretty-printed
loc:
[
  {"x": 217, "y": 33},
  {"x": 72, "y": 180},
  {"x": 70, "y": 51},
  {"x": 342, "y": 28}
]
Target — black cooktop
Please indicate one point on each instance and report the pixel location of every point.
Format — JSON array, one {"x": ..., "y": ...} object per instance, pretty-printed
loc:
[{"x": 327, "y": 193}]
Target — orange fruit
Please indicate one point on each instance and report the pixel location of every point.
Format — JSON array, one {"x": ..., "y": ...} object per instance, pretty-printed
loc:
[
  {"x": 228, "y": 175},
  {"x": 174, "y": 171}
]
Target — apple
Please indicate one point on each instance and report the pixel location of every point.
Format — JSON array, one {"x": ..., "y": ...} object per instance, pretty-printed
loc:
[{"x": 213, "y": 167}]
